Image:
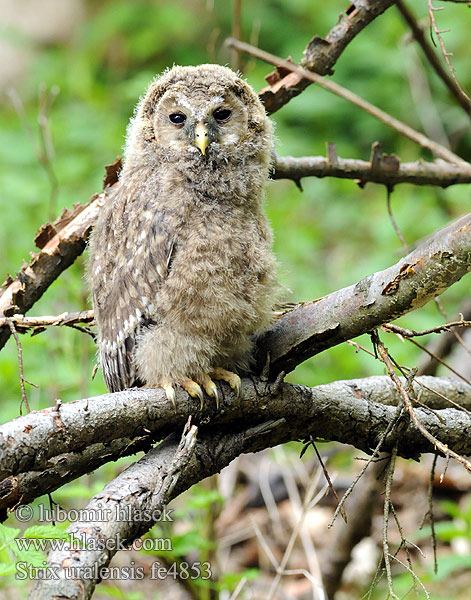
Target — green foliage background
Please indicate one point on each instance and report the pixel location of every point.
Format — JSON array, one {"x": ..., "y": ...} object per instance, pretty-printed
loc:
[{"x": 329, "y": 236}]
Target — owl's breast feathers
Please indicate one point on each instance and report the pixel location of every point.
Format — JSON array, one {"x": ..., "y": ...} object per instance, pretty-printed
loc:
[{"x": 164, "y": 254}]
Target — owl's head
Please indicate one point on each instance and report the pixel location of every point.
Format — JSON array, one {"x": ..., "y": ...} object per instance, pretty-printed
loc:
[{"x": 198, "y": 113}]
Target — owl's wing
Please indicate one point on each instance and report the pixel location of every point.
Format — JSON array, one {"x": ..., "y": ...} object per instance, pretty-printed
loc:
[{"x": 130, "y": 255}]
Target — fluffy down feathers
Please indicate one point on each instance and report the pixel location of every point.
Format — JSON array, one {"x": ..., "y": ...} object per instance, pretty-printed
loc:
[{"x": 181, "y": 267}]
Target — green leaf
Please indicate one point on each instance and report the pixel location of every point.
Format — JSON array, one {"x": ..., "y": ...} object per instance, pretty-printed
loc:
[
  {"x": 7, "y": 534},
  {"x": 46, "y": 532},
  {"x": 7, "y": 568}
]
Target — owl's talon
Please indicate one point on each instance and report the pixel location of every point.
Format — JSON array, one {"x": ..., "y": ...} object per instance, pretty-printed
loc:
[
  {"x": 210, "y": 388},
  {"x": 170, "y": 393},
  {"x": 231, "y": 378},
  {"x": 193, "y": 389}
]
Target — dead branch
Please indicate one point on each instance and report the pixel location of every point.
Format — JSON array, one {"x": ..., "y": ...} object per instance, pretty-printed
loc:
[
  {"x": 51, "y": 442},
  {"x": 445, "y": 53},
  {"x": 24, "y": 324},
  {"x": 331, "y": 86},
  {"x": 408, "y": 404},
  {"x": 382, "y": 168},
  {"x": 423, "y": 274},
  {"x": 321, "y": 54},
  {"x": 59, "y": 245},
  {"x": 148, "y": 485},
  {"x": 420, "y": 37},
  {"x": 412, "y": 333}
]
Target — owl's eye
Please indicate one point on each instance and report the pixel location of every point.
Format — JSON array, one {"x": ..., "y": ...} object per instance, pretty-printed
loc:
[
  {"x": 222, "y": 115},
  {"x": 177, "y": 118}
]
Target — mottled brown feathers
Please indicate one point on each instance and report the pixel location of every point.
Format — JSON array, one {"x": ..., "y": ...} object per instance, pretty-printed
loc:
[{"x": 181, "y": 267}]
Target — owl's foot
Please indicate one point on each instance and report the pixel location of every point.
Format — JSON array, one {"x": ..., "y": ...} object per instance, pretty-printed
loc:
[
  {"x": 194, "y": 389},
  {"x": 228, "y": 376}
]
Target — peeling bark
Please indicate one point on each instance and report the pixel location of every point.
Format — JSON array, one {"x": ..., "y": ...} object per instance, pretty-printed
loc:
[{"x": 322, "y": 54}]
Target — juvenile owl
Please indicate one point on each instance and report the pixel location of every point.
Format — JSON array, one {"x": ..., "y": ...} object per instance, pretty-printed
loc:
[{"x": 181, "y": 267}]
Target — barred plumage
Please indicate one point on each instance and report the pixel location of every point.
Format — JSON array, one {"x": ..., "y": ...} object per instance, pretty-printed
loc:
[{"x": 181, "y": 267}]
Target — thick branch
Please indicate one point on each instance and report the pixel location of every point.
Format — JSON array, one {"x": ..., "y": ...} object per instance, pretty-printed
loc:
[
  {"x": 381, "y": 297},
  {"x": 160, "y": 476},
  {"x": 321, "y": 54},
  {"x": 43, "y": 445},
  {"x": 25, "y": 487},
  {"x": 387, "y": 170}
]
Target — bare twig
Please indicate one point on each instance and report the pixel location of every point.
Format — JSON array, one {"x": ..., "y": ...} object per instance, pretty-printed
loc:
[
  {"x": 418, "y": 33},
  {"x": 393, "y": 220},
  {"x": 23, "y": 323},
  {"x": 337, "y": 89},
  {"x": 328, "y": 479},
  {"x": 387, "y": 504},
  {"x": 371, "y": 458},
  {"x": 385, "y": 358},
  {"x": 445, "y": 53},
  {"x": 438, "y": 359},
  {"x": 24, "y": 398},
  {"x": 408, "y": 333},
  {"x": 236, "y": 32}
]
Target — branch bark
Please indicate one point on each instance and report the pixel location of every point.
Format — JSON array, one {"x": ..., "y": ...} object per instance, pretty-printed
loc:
[
  {"x": 321, "y": 54},
  {"x": 43, "y": 450},
  {"x": 381, "y": 297},
  {"x": 386, "y": 169}
]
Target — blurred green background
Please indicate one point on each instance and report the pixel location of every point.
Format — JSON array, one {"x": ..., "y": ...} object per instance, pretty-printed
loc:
[
  {"x": 98, "y": 63},
  {"x": 92, "y": 60}
]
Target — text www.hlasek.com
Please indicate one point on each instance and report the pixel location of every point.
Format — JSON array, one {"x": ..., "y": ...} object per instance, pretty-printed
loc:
[{"x": 85, "y": 542}]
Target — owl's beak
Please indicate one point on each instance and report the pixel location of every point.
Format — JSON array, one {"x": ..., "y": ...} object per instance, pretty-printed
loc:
[{"x": 201, "y": 137}]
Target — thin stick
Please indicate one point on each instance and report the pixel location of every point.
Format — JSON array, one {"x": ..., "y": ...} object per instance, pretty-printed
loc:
[
  {"x": 385, "y": 358},
  {"x": 393, "y": 220},
  {"x": 388, "y": 429},
  {"x": 24, "y": 323},
  {"x": 374, "y": 111},
  {"x": 409, "y": 333},
  {"x": 446, "y": 54},
  {"x": 24, "y": 398},
  {"x": 440, "y": 360},
  {"x": 432, "y": 58},
  {"x": 329, "y": 481},
  {"x": 236, "y": 32},
  {"x": 387, "y": 501}
]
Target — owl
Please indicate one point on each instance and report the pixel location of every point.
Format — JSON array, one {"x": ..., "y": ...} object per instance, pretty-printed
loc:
[{"x": 181, "y": 267}]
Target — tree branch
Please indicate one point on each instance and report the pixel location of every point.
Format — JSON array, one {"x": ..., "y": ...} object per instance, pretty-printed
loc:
[
  {"x": 60, "y": 244},
  {"x": 321, "y": 54},
  {"x": 335, "y": 88},
  {"x": 382, "y": 168},
  {"x": 166, "y": 471},
  {"x": 381, "y": 297},
  {"x": 43, "y": 450},
  {"x": 419, "y": 35}
]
